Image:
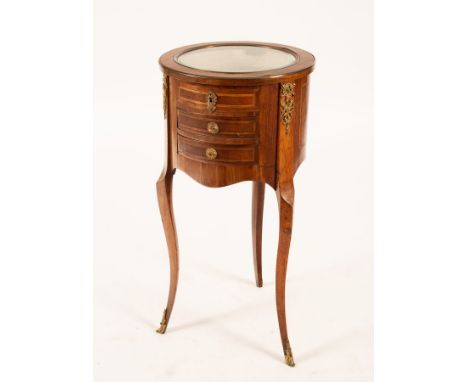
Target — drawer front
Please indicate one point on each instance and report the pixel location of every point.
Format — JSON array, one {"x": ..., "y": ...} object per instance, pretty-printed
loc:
[
  {"x": 215, "y": 153},
  {"x": 215, "y": 139},
  {"x": 215, "y": 100},
  {"x": 218, "y": 126}
]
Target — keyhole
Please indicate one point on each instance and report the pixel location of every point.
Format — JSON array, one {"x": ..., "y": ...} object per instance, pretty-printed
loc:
[{"x": 211, "y": 99}]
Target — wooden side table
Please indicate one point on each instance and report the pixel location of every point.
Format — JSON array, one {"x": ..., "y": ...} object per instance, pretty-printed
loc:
[{"x": 236, "y": 111}]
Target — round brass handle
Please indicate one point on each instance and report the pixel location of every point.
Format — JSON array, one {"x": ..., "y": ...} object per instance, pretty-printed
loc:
[
  {"x": 211, "y": 153},
  {"x": 212, "y": 127}
]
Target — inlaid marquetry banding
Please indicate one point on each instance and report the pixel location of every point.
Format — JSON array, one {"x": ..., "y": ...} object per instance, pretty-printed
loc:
[
  {"x": 219, "y": 100},
  {"x": 165, "y": 88}
]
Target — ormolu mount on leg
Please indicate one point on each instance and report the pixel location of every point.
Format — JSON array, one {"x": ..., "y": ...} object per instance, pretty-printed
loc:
[
  {"x": 288, "y": 356},
  {"x": 163, "y": 324}
]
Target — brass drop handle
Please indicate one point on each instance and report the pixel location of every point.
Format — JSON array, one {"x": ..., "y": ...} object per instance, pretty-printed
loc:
[
  {"x": 212, "y": 127},
  {"x": 211, "y": 99},
  {"x": 211, "y": 153}
]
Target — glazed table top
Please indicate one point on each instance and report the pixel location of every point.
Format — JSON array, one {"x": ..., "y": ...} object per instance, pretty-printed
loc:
[
  {"x": 236, "y": 58},
  {"x": 242, "y": 60}
]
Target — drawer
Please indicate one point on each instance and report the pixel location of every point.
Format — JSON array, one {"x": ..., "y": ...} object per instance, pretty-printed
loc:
[
  {"x": 217, "y": 139},
  {"x": 217, "y": 126},
  {"x": 215, "y": 100},
  {"x": 207, "y": 152}
]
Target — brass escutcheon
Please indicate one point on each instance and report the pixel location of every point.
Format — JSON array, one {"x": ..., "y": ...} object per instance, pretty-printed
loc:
[
  {"x": 211, "y": 153},
  {"x": 211, "y": 99},
  {"x": 212, "y": 127}
]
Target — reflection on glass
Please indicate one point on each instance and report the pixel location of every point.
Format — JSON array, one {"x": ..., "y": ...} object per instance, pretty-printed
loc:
[{"x": 236, "y": 58}]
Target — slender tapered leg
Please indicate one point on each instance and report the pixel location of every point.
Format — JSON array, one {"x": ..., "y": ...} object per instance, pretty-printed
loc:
[
  {"x": 258, "y": 196},
  {"x": 285, "y": 196},
  {"x": 164, "y": 191}
]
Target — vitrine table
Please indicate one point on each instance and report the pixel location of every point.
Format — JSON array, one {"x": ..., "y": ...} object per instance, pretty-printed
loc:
[{"x": 236, "y": 111}]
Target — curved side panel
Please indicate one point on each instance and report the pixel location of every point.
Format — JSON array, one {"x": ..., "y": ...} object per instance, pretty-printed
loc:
[{"x": 300, "y": 133}]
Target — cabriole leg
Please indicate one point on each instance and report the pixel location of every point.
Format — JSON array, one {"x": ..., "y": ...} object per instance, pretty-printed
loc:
[
  {"x": 164, "y": 192},
  {"x": 285, "y": 196},
  {"x": 258, "y": 196}
]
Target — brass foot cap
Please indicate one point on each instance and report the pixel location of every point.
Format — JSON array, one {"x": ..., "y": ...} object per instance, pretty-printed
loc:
[
  {"x": 163, "y": 326},
  {"x": 289, "y": 359}
]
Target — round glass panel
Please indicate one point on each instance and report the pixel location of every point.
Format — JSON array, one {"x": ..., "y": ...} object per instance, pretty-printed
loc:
[{"x": 236, "y": 58}]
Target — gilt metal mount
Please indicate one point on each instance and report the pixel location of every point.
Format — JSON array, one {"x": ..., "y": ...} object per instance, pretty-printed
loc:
[
  {"x": 163, "y": 324},
  {"x": 287, "y": 103},
  {"x": 288, "y": 356},
  {"x": 211, "y": 100}
]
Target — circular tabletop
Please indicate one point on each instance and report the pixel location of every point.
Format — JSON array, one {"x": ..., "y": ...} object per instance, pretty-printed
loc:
[{"x": 237, "y": 60}]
